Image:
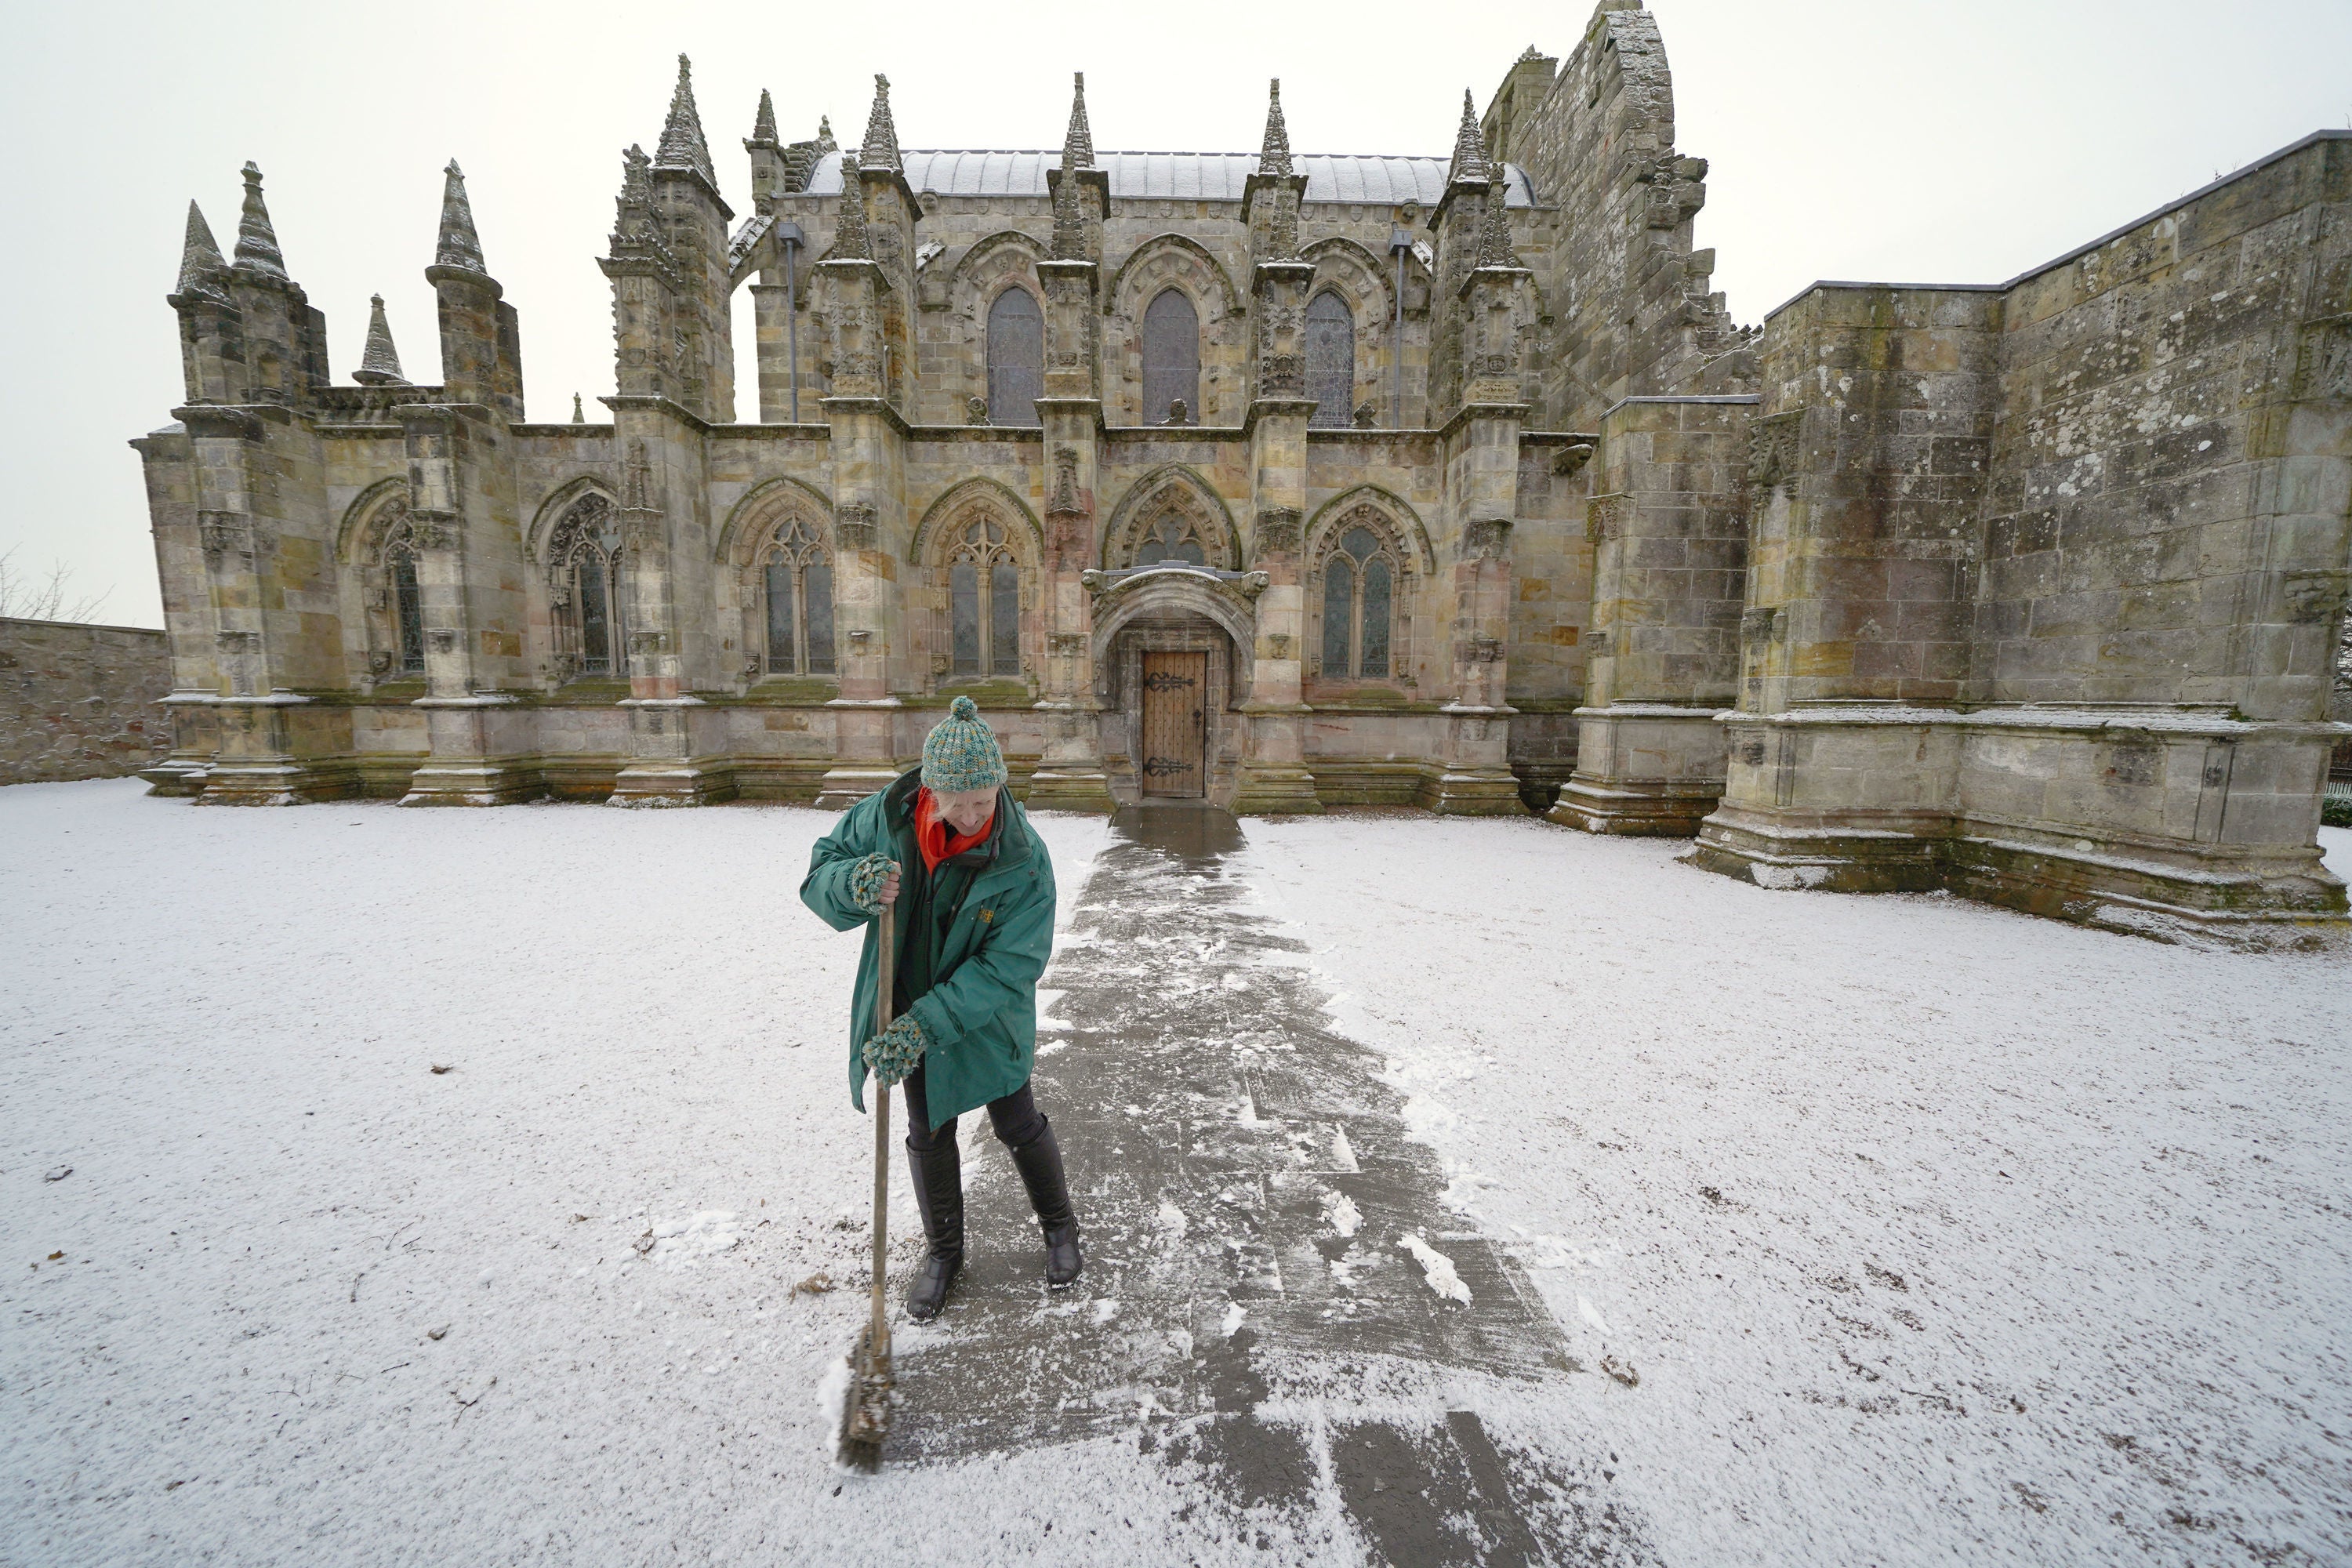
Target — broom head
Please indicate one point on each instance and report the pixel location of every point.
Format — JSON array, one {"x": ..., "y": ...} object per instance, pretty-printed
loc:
[{"x": 865, "y": 1409}]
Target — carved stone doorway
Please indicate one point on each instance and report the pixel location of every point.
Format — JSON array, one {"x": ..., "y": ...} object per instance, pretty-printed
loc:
[{"x": 1175, "y": 724}]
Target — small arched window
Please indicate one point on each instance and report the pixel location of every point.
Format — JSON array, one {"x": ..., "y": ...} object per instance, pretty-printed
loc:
[
  {"x": 1171, "y": 357},
  {"x": 1358, "y": 607},
  {"x": 585, "y": 562},
  {"x": 798, "y": 577},
  {"x": 983, "y": 602},
  {"x": 1174, "y": 537},
  {"x": 407, "y": 608},
  {"x": 1016, "y": 358},
  {"x": 1330, "y": 359}
]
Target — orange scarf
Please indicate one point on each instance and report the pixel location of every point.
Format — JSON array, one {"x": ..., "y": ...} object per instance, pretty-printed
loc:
[{"x": 936, "y": 839}]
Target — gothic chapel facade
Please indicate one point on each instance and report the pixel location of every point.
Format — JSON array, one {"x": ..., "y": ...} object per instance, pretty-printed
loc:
[{"x": 1286, "y": 481}]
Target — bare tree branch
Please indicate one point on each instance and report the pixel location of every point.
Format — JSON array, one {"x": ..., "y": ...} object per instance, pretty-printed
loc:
[{"x": 27, "y": 598}]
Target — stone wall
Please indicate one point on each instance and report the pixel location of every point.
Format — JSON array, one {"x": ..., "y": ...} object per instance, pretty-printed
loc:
[
  {"x": 2047, "y": 578},
  {"x": 80, "y": 701}
]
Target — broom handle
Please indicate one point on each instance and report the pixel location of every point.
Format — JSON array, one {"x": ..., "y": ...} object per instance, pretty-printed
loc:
[{"x": 885, "y": 979}]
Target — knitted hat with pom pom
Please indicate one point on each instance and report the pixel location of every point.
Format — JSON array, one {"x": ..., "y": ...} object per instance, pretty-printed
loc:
[{"x": 961, "y": 754}]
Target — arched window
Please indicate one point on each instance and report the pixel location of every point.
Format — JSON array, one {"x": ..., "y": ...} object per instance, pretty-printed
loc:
[
  {"x": 799, "y": 579},
  {"x": 1171, "y": 357},
  {"x": 1330, "y": 359},
  {"x": 984, "y": 602},
  {"x": 1016, "y": 358},
  {"x": 407, "y": 606},
  {"x": 585, "y": 562},
  {"x": 1358, "y": 607}
]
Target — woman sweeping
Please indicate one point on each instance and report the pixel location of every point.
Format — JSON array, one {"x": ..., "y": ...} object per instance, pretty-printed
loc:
[{"x": 973, "y": 888}]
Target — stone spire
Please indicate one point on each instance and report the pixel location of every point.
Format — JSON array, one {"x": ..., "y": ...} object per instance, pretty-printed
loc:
[
  {"x": 459, "y": 246},
  {"x": 881, "y": 149},
  {"x": 682, "y": 146},
  {"x": 1078, "y": 141},
  {"x": 1069, "y": 200},
  {"x": 379, "y": 362},
  {"x": 1469, "y": 146},
  {"x": 849, "y": 238},
  {"x": 257, "y": 242},
  {"x": 200, "y": 260},
  {"x": 763, "y": 125},
  {"x": 1274, "y": 157}
]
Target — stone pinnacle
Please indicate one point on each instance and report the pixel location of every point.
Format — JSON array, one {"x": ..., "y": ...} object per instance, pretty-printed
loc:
[
  {"x": 682, "y": 146},
  {"x": 201, "y": 265},
  {"x": 257, "y": 242},
  {"x": 881, "y": 148},
  {"x": 379, "y": 362},
  {"x": 1469, "y": 146},
  {"x": 1274, "y": 157},
  {"x": 459, "y": 246}
]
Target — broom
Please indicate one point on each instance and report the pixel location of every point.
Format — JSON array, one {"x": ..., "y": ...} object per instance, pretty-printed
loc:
[{"x": 866, "y": 1410}]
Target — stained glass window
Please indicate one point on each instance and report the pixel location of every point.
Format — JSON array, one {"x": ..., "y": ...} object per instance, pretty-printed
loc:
[
  {"x": 1358, "y": 607},
  {"x": 1016, "y": 358},
  {"x": 799, "y": 578},
  {"x": 1338, "y": 604},
  {"x": 983, "y": 602},
  {"x": 1172, "y": 356},
  {"x": 1330, "y": 359},
  {"x": 408, "y": 611}
]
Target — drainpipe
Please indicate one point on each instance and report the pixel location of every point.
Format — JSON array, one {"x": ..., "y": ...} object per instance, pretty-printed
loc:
[{"x": 789, "y": 236}]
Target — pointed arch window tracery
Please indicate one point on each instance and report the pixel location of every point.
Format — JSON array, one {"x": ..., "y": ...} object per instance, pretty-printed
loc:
[
  {"x": 584, "y": 572},
  {"x": 984, "y": 601},
  {"x": 1330, "y": 360},
  {"x": 1016, "y": 358},
  {"x": 1361, "y": 578},
  {"x": 1171, "y": 357},
  {"x": 796, "y": 581},
  {"x": 407, "y": 604}
]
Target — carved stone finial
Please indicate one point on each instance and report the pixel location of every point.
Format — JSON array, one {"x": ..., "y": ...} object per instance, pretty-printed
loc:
[
  {"x": 257, "y": 242},
  {"x": 850, "y": 242},
  {"x": 763, "y": 124},
  {"x": 200, "y": 266},
  {"x": 824, "y": 141},
  {"x": 459, "y": 246},
  {"x": 1495, "y": 228},
  {"x": 577, "y": 416},
  {"x": 1469, "y": 146},
  {"x": 1078, "y": 141},
  {"x": 881, "y": 147},
  {"x": 1274, "y": 157},
  {"x": 682, "y": 145},
  {"x": 379, "y": 361}
]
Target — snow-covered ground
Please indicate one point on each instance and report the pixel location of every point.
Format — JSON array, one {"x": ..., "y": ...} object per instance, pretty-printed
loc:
[{"x": 1933, "y": 1233}]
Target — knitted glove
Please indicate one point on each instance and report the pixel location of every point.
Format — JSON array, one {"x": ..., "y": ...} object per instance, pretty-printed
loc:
[
  {"x": 893, "y": 1053},
  {"x": 866, "y": 880}
]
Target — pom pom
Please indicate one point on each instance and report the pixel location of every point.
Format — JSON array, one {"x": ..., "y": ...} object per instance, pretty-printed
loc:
[{"x": 963, "y": 708}]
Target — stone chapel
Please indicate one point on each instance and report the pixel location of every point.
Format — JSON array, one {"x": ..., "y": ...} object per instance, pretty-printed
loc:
[{"x": 1284, "y": 480}]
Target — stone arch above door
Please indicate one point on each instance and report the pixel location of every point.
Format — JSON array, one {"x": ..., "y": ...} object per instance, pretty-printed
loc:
[{"x": 1171, "y": 488}]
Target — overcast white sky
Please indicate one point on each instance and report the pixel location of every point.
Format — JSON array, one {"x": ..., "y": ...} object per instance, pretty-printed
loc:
[{"x": 1857, "y": 138}]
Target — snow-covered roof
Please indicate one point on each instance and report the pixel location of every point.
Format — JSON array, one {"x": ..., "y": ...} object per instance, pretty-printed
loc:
[{"x": 1181, "y": 176}]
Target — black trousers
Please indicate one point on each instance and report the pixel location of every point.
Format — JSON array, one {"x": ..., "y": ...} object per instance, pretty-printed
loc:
[{"x": 1015, "y": 1118}]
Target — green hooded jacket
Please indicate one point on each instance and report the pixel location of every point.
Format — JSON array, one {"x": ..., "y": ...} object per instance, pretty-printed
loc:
[{"x": 984, "y": 921}]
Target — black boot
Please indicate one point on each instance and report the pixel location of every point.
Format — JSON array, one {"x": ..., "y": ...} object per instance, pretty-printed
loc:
[
  {"x": 1039, "y": 1161},
  {"x": 938, "y": 1193}
]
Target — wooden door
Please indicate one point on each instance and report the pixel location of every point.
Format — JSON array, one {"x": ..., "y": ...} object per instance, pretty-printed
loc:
[{"x": 1175, "y": 723}]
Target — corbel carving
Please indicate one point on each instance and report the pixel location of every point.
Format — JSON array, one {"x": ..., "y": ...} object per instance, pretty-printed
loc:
[
  {"x": 1487, "y": 538},
  {"x": 1280, "y": 530},
  {"x": 855, "y": 527}
]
